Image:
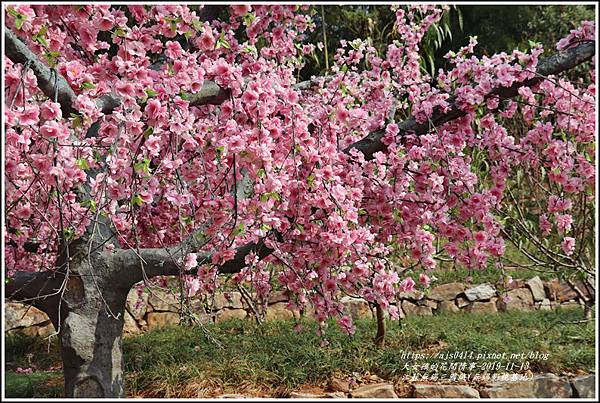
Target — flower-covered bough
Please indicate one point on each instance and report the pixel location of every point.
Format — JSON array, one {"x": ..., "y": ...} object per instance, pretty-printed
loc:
[{"x": 146, "y": 141}]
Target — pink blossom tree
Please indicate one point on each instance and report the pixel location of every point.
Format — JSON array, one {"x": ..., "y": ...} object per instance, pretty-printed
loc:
[{"x": 146, "y": 141}]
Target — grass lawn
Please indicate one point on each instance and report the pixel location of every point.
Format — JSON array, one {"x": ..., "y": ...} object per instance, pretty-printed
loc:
[{"x": 275, "y": 360}]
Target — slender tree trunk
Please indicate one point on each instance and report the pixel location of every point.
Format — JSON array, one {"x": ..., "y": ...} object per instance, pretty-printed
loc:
[{"x": 380, "y": 336}]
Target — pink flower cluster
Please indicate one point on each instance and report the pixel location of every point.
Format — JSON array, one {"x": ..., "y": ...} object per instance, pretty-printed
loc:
[{"x": 270, "y": 160}]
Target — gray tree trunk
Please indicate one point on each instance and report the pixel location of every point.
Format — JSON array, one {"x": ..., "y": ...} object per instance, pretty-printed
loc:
[
  {"x": 91, "y": 327},
  {"x": 91, "y": 348}
]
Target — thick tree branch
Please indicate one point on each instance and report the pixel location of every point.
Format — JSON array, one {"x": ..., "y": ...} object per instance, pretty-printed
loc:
[
  {"x": 18, "y": 52},
  {"x": 40, "y": 289},
  {"x": 130, "y": 269},
  {"x": 552, "y": 65}
]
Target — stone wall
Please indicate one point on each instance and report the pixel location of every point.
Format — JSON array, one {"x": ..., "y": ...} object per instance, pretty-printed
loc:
[
  {"x": 154, "y": 309},
  {"x": 541, "y": 386}
]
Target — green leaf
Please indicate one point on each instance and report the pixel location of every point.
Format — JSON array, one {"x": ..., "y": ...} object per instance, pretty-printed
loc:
[
  {"x": 77, "y": 122},
  {"x": 221, "y": 42},
  {"x": 86, "y": 85},
  {"x": 239, "y": 230},
  {"x": 261, "y": 173},
  {"x": 197, "y": 24},
  {"x": 68, "y": 233},
  {"x": 397, "y": 215},
  {"x": 13, "y": 12},
  {"x": 82, "y": 163},
  {"x": 136, "y": 200},
  {"x": 265, "y": 227},
  {"x": 270, "y": 195},
  {"x": 89, "y": 203},
  {"x": 148, "y": 131},
  {"x": 97, "y": 156},
  {"x": 248, "y": 18},
  {"x": 41, "y": 39},
  {"x": 119, "y": 31},
  {"x": 150, "y": 92},
  {"x": 143, "y": 166},
  {"x": 43, "y": 30},
  {"x": 19, "y": 21}
]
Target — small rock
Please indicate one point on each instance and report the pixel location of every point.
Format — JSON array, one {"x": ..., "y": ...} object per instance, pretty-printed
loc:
[
  {"x": 541, "y": 386},
  {"x": 446, "y": 292},
  {"x": 163, "y": 301},
  {"x": 29, "y": 330},
  {"x": 232, "y": 300},
  {"x": 503, "y": 390},
  {"x": 515, "y": 283},
  {"x": 411, "y": 309},
  {"x": 279, "y": 311},
  {"x": 162, "y": 319},
  {"x": 336, "y": 395},
  {"x": 545, "y": 305},
  {"x": 536, "y": 285},
  {"x": 444, "y": 391},
  {"x": 137, "y": 305},
  {"x": 483, "y": 307},
  {"x": 357, "y": 308},
  {"x": 227, "y": 314},
  {"x": 278, "y": 296},
  {"x": 560, "y": 291},
  {"x": 130, "y": 326},
  {"x": 46, "y": 330},
  {"x": 448, "y": 306},
  {"x": 431, "y": 304},
  {"x": 378, "y": 390},
  {"x": 584, "y": 386},
  {"x": 339, "y": 385},
  {"x": 552, "y": 386},
  {"x": 518, "y": 300},
  {"x": 461, "y": 302},
  {"x": 21, "y": 315},
  {"x": 414, "y": 295},
  {"x": 480, "y": 292}
]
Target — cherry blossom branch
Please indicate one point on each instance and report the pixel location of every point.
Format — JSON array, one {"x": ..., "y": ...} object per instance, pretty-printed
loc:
[
  {"x": 553, "y": 65},
  {"x": 167, "y": 261},
  {"x": 161, "y": 262},
  {"x": 18, "y": 52}
]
